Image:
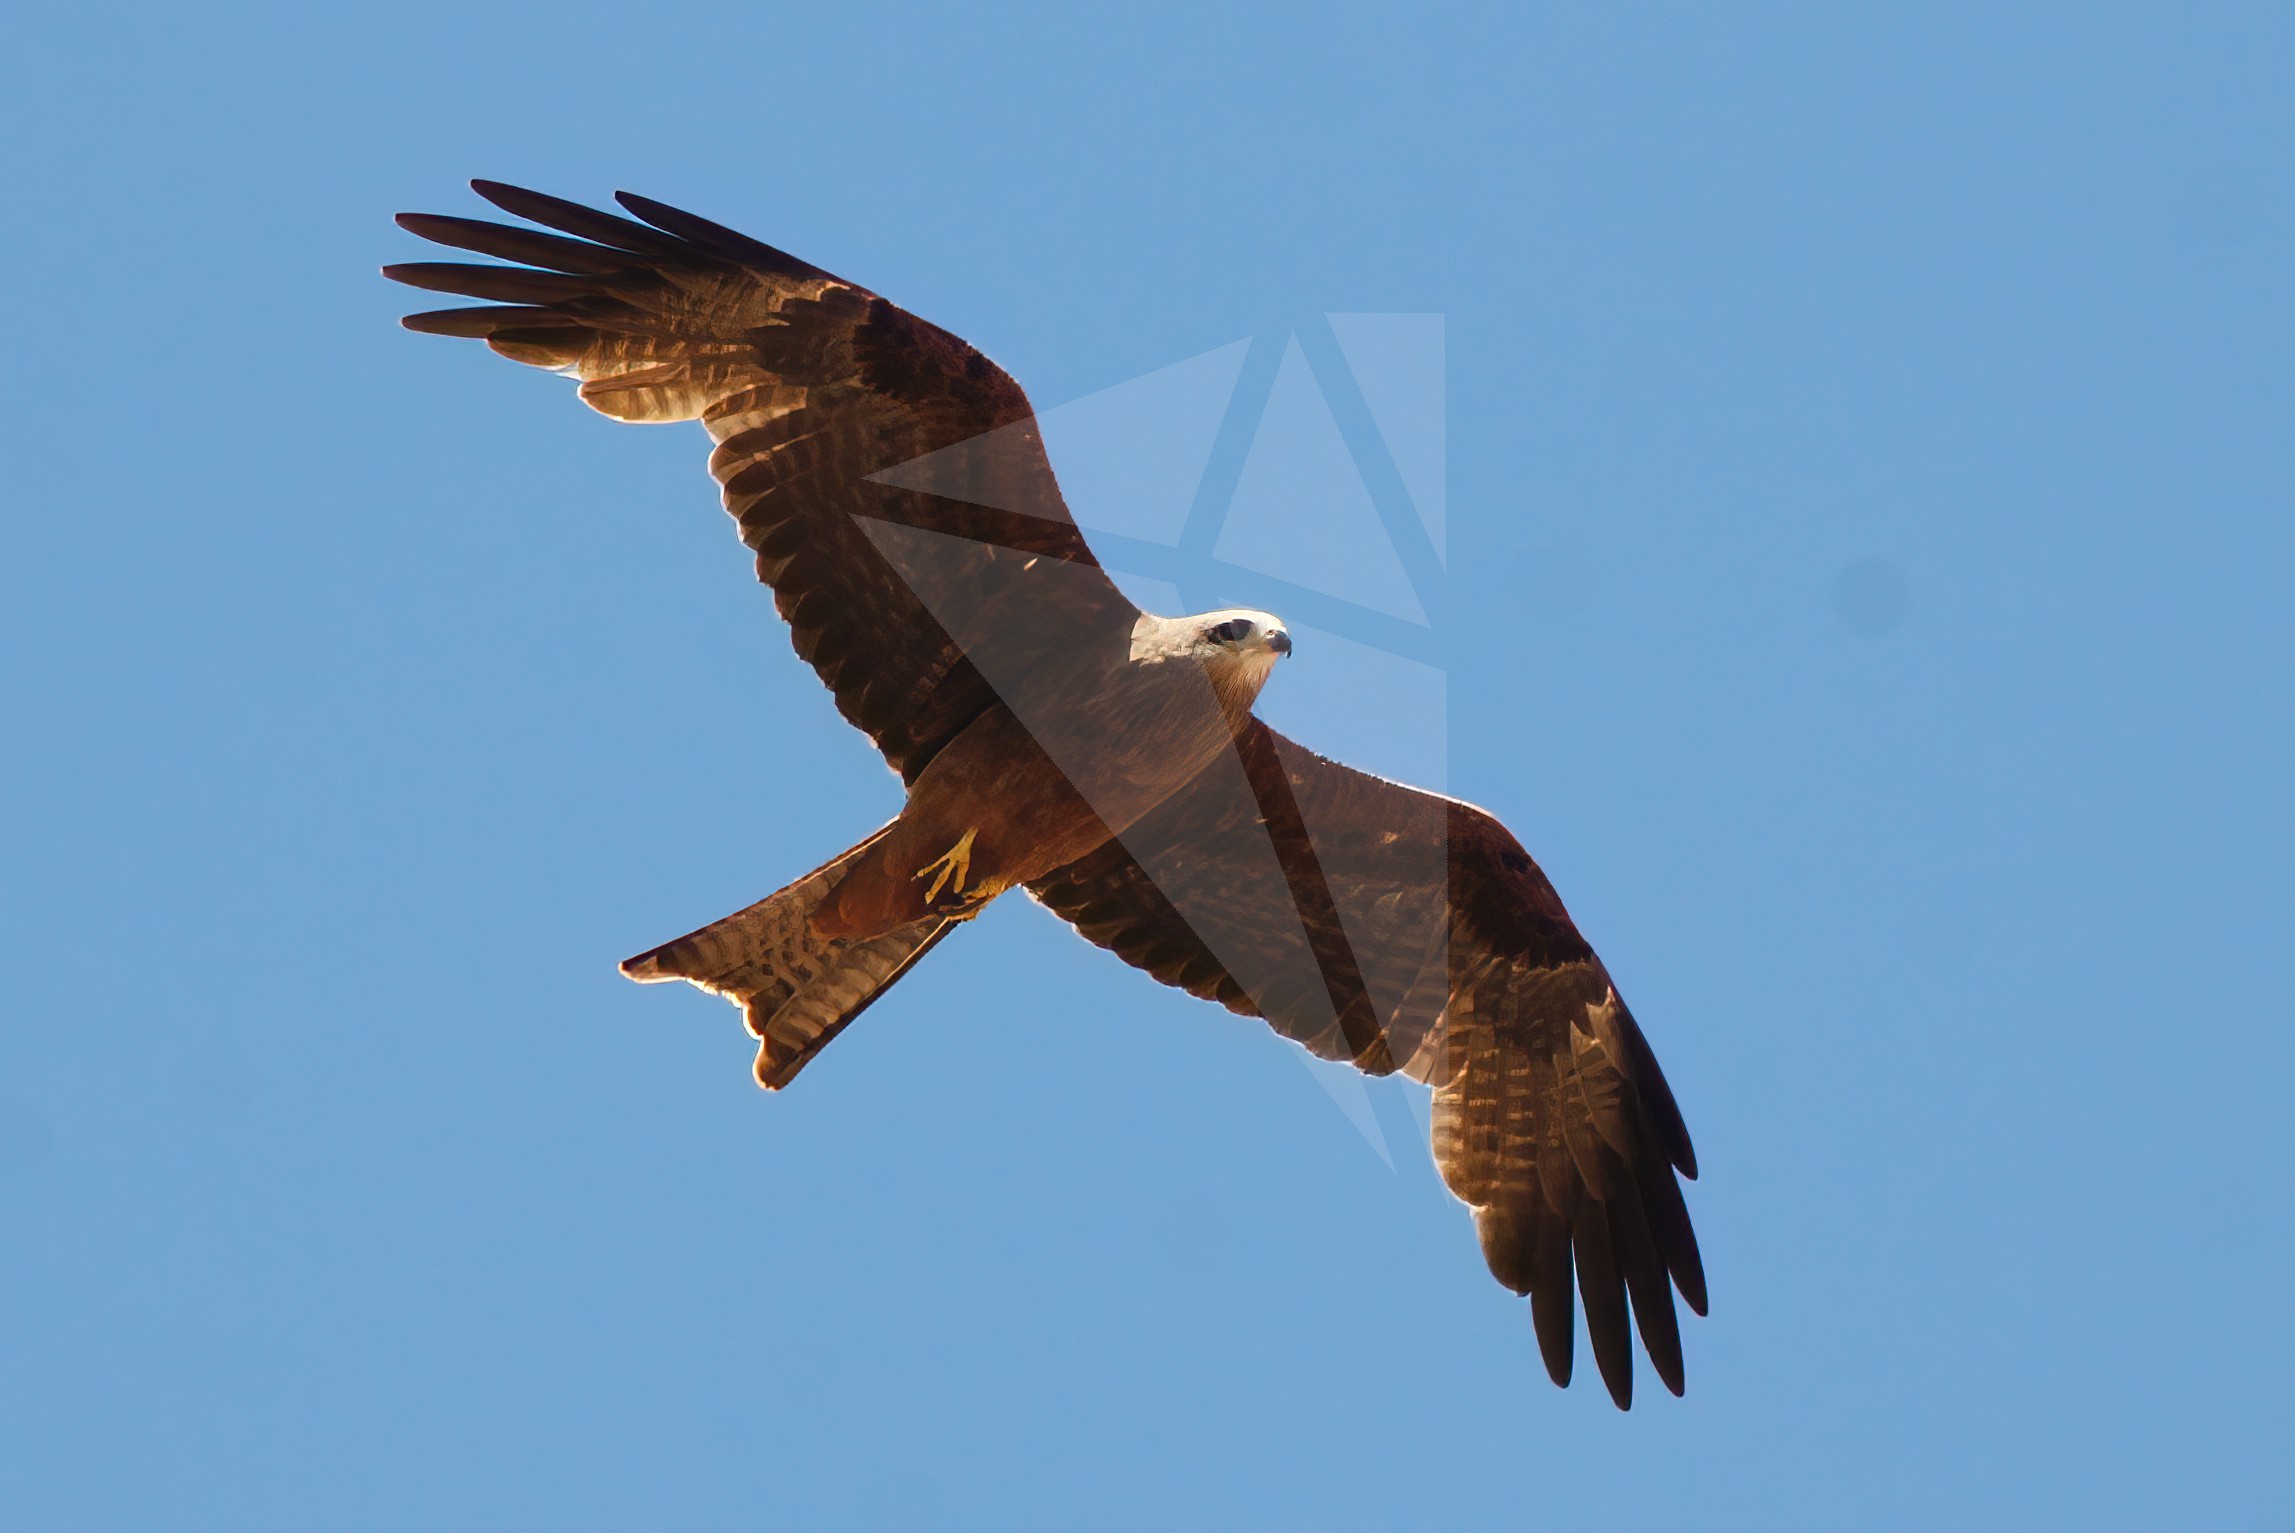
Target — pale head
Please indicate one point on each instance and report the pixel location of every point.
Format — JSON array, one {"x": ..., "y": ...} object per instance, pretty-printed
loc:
[{"x": 1237, "y": 646}]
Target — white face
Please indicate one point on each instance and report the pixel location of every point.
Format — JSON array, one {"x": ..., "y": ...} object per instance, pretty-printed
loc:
[
  {"x": 1239, "y": 644},
  {"x": 1242, "y": 634}
]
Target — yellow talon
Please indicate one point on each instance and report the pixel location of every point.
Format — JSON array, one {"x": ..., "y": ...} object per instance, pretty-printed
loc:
[{"x": 954, "y": 865}]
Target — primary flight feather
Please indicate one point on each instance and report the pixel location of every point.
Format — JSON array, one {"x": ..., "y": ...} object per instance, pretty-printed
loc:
[{"x": 1053, "y": 737}]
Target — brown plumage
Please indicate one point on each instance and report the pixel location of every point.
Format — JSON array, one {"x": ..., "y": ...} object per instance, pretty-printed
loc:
[{"x": 893, "y": 486}]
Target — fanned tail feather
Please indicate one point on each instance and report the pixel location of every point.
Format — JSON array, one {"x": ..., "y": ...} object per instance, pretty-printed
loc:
[{"x": 796, "y": 989}]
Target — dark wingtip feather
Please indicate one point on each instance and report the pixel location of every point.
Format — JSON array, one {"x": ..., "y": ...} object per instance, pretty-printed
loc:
[
  {"x": 573, "y": 218},
  {"x": 1645, "y": 1272},
  {"x": 1657, "y": 1097},
  {"x": 470, "y": 324},
  {"x": 1553, "y": 1305},
  {"x": 712, "y": 236},
  {"x": 504, "y": 284},
  {"x": 1604, "y": 1290},
  {"x": 553, "y": 252},
  {"x": 1554, "y": 1318},
  {"x": 1670, "y": 1228},
  {"x": 1688, "y": 1269}
]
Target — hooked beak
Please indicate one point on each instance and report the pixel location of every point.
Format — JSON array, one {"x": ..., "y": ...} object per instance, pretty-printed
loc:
[{"x": 1279, "y": 641}]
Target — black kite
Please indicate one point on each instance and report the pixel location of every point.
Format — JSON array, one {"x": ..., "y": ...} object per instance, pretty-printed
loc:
[{"x": 1051, "y": 736}]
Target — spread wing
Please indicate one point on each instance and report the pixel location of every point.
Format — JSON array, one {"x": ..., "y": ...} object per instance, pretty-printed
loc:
[
  {"x": 1377, "y": 923},
  {"x": 821, "y": 398}
]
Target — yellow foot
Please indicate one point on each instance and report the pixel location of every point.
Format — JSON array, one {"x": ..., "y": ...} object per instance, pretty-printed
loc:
[{"x": 951, "y": 869}]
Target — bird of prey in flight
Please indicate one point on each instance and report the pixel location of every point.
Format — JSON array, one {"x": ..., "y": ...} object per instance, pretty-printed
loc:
[{"x": 1054, "y": 738}]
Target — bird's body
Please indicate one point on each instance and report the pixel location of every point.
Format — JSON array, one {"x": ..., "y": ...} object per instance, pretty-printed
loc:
[
  {"x": 1081, "y": 747},
  {"x": 1052, "y": 737}
]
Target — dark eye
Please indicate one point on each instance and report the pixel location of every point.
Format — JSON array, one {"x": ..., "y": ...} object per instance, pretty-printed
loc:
[{"x": 1234, "y": 631}]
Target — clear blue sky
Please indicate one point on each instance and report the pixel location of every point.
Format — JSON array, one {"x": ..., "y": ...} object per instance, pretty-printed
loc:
[{"x": 1869, "y": 524}]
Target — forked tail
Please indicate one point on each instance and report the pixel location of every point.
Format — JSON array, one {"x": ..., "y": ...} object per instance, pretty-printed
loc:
[{"x": 796, "y": 989}]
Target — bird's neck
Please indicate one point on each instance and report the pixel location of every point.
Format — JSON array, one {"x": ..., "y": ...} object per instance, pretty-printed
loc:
[{"x": 1236, "y": 684}]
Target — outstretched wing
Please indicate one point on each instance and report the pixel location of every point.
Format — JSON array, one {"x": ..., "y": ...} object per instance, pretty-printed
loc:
[
  {"x": 821, "y": 398},
  {"x": 1398, "y": 929}
]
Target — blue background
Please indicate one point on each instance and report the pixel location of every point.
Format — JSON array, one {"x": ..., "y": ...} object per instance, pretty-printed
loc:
[{"x": 1869, "y": 525}]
